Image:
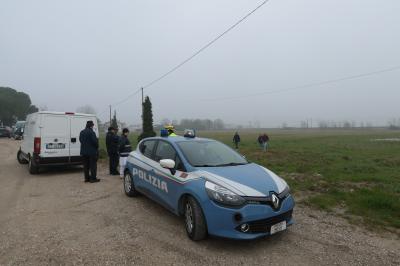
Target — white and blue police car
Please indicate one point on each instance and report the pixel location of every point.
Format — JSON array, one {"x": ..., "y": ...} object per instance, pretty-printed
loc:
[{"x": 215, "y": 189}]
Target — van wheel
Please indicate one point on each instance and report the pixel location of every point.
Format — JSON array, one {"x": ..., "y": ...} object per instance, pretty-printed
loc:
[
  {"x": 195, "y": 223},
  {"x": 129, "y": 186},
  {"x": 33, "y": 168},
  {"x": 21, "y": 159}
]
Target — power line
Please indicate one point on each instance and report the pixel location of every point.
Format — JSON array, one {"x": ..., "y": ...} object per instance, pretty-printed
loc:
[
  {"x": 121, "y": 101},
  {"x": 315, "y": 84},
  {"x": 189, "y": 58},
  {"x": 205, "y": 46}
]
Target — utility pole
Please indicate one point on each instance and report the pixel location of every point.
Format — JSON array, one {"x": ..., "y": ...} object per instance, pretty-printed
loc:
[
  {"x": 110, "y": 115},
  {"x": 142, "y": 100},
  {"x": 142, "y": 108}
]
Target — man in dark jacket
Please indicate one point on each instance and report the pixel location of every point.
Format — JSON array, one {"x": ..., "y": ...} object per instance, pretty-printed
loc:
[
  {"x": 112, "y": 141},
  {"x": 236, "y": 140},
  {"x": 89, "y": 152},
  {"x": 124, "y": 151}
]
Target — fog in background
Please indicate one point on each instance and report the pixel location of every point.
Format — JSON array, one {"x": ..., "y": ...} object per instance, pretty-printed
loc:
[{"x": 66, "y": 54}]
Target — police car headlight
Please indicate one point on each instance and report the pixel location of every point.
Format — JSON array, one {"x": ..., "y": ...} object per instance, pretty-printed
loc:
[{"x": 222, "y": 195}]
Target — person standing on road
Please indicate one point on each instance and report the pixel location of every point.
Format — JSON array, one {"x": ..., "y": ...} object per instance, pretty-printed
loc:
[
  {"x": 171, "y": 130},
  {"x": 112, "y": 142},
  {"x": 89, "y": 152},
  {"x": 236, "y": 139},
  {"x": 124, "y": 151}
]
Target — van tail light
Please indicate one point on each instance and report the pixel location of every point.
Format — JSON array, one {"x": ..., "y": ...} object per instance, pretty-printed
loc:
[{"x": 36, "y": 145}]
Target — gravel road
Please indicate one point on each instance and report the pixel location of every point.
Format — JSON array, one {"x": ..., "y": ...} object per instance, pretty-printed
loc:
[{"x": 56, "y": 219}]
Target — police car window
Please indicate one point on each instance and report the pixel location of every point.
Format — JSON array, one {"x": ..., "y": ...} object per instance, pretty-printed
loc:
[
  {"x": 179, "y": 165},
  {"x": 164, "y": 151},
  {"x": 210, "y": 153},
  {"x": 147, "y": 148}
]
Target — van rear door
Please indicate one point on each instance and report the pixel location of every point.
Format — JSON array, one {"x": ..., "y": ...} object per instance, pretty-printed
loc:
[{"x": 55, "y": 135}]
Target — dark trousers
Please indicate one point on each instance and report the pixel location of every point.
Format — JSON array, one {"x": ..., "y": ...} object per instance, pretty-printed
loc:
[
  {"x": 90, "y": 164},
  {"x": 113, "y": 163}
]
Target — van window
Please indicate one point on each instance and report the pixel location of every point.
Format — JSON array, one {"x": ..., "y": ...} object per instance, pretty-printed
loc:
[{"x": 147, "y": 147}]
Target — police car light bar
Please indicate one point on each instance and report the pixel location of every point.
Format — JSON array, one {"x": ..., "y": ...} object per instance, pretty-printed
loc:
[
  {"x": 164, "y": 133},
  {"x": 189, "y": 133}
]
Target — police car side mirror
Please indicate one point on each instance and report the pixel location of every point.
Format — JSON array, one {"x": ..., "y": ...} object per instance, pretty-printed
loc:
[{"x": 168, "y": 164}]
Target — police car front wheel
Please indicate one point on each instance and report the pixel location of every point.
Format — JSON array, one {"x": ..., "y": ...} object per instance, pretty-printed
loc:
[
  {"x": 195, "y": 223},
  {"x": 129, "y": 186}
]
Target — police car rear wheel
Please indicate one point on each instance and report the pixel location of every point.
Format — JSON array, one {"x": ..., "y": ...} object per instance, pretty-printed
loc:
[
  {"x": 129, "y": 186},
  {"x": 195, "y": 224}
]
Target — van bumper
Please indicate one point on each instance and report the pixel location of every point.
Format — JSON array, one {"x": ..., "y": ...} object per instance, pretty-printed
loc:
[{"x": 67, "y": 160}]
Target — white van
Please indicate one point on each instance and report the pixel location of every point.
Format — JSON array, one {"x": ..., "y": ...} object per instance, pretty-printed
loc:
[{"x": 52, "y": 138}]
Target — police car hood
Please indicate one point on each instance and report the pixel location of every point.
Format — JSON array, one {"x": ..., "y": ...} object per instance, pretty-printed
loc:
[{"x": 249, "y": 180}]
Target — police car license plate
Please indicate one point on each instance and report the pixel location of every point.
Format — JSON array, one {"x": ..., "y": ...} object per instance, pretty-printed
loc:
[
  {"x": 278, "y": 227},
  {"x": 53, "y": 146}
]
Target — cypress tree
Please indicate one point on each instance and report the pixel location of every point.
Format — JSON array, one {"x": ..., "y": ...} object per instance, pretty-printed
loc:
[
  {"x": 147, "y": 117},
  {"x": 114, "y": 121}
]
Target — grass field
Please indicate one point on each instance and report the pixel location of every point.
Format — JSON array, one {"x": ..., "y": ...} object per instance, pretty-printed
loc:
[{"x": 351, "y": 172}]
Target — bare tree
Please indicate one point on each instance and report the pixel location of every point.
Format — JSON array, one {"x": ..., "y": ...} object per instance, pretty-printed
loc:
[
  {"x": 43, "y": 108},
  {"x": 86, "y": 109},
  {"x": 165, "y": 121}
]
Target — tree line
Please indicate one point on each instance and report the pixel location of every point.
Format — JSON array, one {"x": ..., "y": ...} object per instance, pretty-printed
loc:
[{"x": 199, "y": 124}]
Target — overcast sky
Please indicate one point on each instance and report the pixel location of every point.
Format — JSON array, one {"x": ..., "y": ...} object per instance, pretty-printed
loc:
[{"x": 66, "y": 54}]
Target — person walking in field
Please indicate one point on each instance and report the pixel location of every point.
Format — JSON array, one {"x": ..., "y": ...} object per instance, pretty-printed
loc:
[
  {"x": 260, "y": 141},
  {"x": 265, "y": 140},
  {"x": 112, "y": 144},
  {"x": 236, "y": 140},
  {"x": 124, "y": 151},
  {"x": 89, "y": 152}
]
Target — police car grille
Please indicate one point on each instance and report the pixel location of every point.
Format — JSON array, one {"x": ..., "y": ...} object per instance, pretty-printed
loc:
[{"x": 264, "y": 226}]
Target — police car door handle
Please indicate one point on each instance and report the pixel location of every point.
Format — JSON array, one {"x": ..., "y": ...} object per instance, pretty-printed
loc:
[{"x": 73, "y": 140}]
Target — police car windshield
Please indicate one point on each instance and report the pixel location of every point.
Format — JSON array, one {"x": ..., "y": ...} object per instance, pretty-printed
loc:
[{"x": 210, "y": 154}]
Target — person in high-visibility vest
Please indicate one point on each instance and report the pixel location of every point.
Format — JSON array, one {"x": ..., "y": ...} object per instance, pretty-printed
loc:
[{"x": 171, "y": 131}]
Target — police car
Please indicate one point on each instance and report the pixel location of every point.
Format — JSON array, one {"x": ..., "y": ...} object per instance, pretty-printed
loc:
[{"x": 216, "y": 190}]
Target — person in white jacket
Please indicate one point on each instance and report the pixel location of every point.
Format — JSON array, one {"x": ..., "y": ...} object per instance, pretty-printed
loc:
[{"x": 124, "y": 151}]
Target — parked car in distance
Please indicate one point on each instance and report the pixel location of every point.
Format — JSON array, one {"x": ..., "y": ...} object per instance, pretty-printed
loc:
[
  {"x": 5, "y": 132},
  {"x": 18, "y": 130},
  {"x": 52, "y": 138}
]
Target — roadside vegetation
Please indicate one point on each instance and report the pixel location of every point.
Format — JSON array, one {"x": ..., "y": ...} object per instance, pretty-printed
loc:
[{"x": 354, "y": 173}]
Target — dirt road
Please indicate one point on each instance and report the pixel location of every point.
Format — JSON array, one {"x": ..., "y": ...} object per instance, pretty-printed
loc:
[{"x": 55, "y": 218}]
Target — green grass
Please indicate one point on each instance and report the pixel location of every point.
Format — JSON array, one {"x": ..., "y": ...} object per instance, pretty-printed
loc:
[{"x": 331, "y": 169}]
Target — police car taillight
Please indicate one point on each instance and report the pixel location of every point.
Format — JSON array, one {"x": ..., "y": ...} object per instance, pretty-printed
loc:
[{"x": 189, "y": 133}]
